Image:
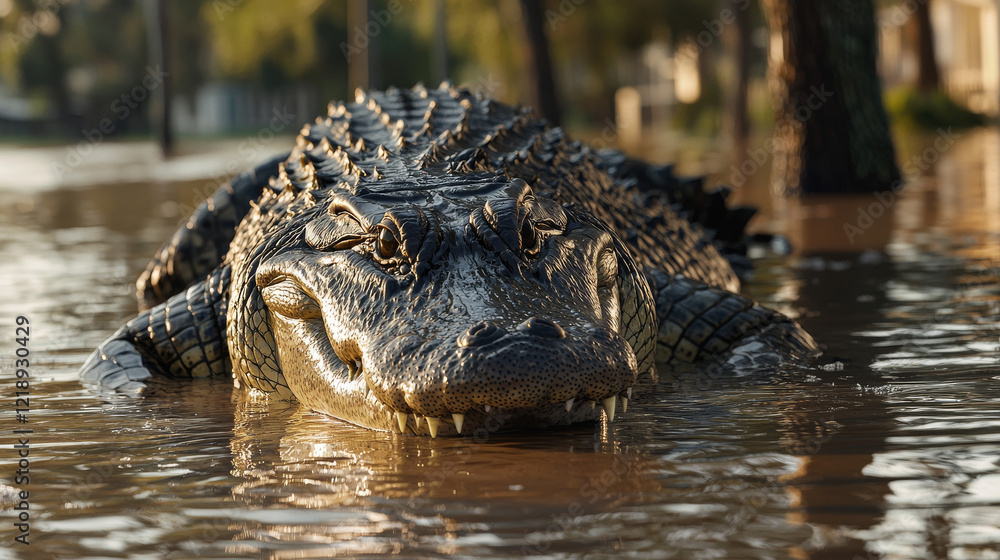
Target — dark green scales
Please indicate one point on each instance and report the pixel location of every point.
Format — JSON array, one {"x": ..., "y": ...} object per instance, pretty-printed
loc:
[{"x": 430, "y": 261}]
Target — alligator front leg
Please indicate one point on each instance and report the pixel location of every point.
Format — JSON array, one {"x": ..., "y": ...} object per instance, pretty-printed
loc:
[
  {"x": 182, "y": 337},
  {"x": 201, "y": 244},
  {"x": 697, "y": 322}
]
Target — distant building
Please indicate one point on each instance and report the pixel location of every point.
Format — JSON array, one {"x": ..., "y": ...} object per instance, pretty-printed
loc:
[
  {"x": 967, "y": 45},
  {"x": 224, "y": 108}
]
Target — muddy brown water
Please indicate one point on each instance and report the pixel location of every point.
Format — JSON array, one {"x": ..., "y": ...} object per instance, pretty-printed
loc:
[{"x": 888, "y": 447}]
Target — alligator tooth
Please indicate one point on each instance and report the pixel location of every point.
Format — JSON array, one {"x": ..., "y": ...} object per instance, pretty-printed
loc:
[
  {"x": 417, "y": 420},
  {"x": 432, "y": 425},
  {"x": 459, "y": 420},
  {"x": 353, "y": 369},
  {"x": 401, "y": 420},
  {"x": 486, "y": 408},
  {"x": 569, "y": 405},
  {"x": 592, "y": 404},
  {"x": 624, "y": 405},
  {"x": 609, "y": 407}
]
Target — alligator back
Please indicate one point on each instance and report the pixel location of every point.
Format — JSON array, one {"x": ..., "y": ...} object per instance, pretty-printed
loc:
[
  {"x": 420, "y": 138},
  {"x": 406, "y": 138}
]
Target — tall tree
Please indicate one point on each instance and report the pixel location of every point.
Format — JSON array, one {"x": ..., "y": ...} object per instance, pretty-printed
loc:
[
  {"x": 831, "y": 130},
  {"x": 543, "y": 85},
  {"x": 358, "y": 66},
  {"x": 439, "y": 53},
  {"x": 741, "y": 46},
  {"x": 159, "y": 54},
  {"x": 928, "y": 77}
]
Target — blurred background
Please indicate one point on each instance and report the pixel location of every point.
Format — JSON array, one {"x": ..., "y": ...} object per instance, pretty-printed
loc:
[
  {"x": 637, "y": 74},
  {"x": 141, "y": 91}
]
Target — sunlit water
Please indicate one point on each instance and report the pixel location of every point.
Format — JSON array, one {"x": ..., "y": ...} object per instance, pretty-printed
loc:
[{"x": 888, "y": 447}]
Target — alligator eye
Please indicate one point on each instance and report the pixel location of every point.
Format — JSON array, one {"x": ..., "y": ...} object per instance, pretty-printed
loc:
[
  {"x": 529, "y": 237},
  {"x": 386, "y": 244}
]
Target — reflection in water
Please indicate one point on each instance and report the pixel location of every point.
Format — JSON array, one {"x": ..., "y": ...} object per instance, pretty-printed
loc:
[
  {"x": 888, "y": 447},
  {"x": 436, "y": 496}
]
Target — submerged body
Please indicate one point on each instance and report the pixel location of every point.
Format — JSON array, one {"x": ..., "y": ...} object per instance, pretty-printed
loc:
[{"x": 428, "y": 261}]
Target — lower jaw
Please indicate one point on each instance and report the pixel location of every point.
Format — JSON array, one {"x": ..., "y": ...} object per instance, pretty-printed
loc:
[
  {"x": 479, "y": 424},
  {"x": 359, "y": 406},
  {"x": 353, "y": 402}
]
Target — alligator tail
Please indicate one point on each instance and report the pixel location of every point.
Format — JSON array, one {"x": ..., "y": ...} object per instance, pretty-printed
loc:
[
  {"x": 726, "y": 225},
  {"x": 699, "y": 322},
  {"x": 200, "y": 245}
]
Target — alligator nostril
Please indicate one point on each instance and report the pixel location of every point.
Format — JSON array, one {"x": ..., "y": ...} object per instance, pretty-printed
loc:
[
  {"x": 480, "y": 334},
  {"x": 542, "y": 327}
]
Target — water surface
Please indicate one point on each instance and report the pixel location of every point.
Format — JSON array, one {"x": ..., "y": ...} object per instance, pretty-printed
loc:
[{"x": 888, "y": 447}]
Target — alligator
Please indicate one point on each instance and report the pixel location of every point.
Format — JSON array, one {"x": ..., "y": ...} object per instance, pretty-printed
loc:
[{"x": 431, "y": 261}]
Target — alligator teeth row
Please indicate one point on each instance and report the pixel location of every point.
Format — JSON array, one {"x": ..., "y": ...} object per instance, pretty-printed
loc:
[
  {"x": 609, "y": 404},
  {"x": 432, "y": 423}
]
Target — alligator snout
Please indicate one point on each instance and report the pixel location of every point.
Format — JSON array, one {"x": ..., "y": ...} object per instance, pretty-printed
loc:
[{"x": 485, "y": 332}]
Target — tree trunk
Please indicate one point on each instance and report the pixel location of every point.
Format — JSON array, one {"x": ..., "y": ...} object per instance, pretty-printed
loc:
[
  {"x": 543, "y": 85},
  {"x": 57, "y": 87},
  {"x": 928, "y": 77},
  {"x": 439, "y": 52},
  {"x": 831, "y": 130},
  {"x": 160, "y": 51},
  {"x": 741, "y": 53},
  {"x": 357, "y": 65}
]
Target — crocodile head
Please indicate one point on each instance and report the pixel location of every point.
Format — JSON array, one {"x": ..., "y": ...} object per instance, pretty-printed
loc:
[{"x": 440, "y": 311}]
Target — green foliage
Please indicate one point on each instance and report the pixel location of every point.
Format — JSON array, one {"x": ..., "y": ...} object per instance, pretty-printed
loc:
[
  {"x": 248, "y": 33},
  {"x": 98, "y": 48},
  {"x": 928, "y": 109}
]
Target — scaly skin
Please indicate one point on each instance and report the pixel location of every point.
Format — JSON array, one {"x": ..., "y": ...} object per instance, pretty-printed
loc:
[{"x": 427, "y": 261}]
